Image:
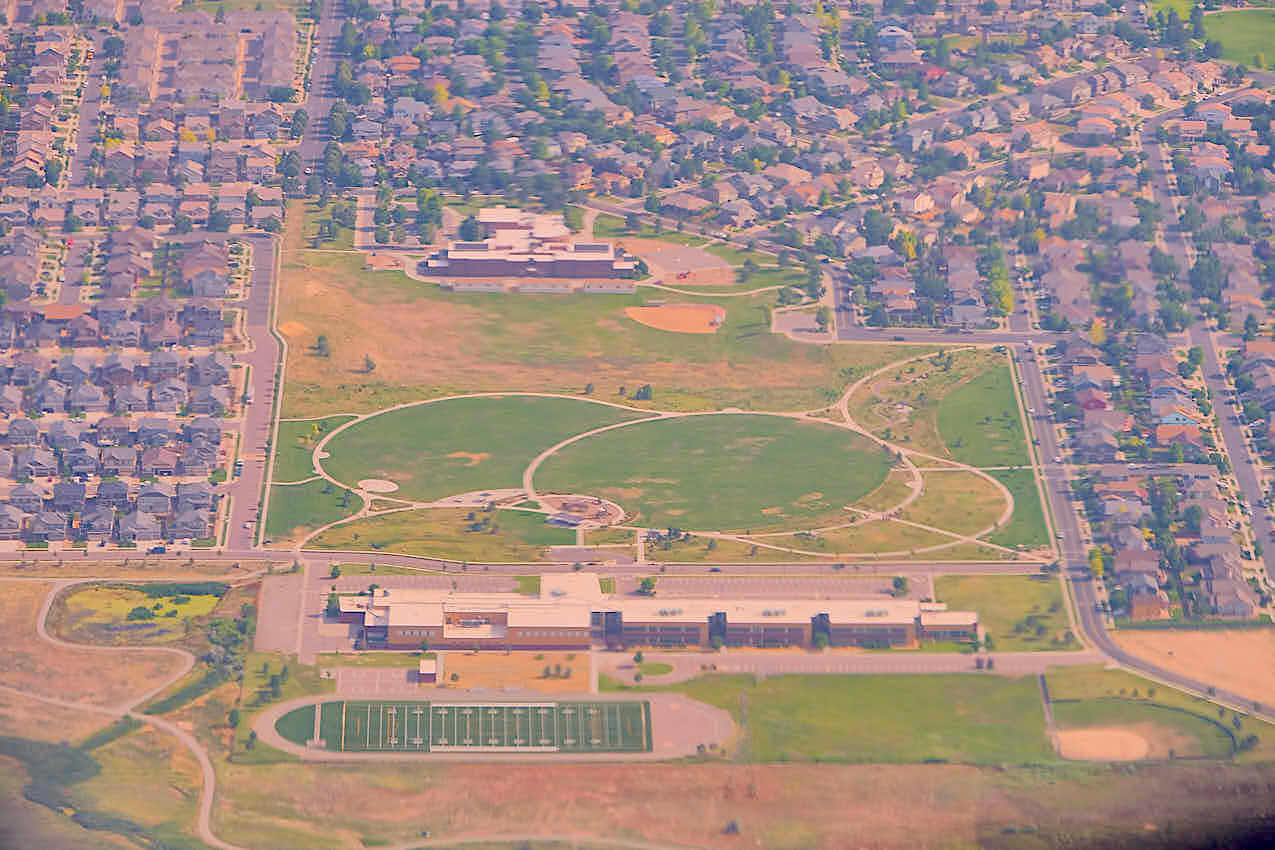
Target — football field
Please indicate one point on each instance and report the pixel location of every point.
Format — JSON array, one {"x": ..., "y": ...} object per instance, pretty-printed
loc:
[{"x": 567, "y": 727}]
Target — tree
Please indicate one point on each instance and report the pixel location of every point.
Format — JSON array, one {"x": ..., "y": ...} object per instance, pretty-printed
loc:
[
  {"x": 1251, "y": 327},
  {"x": 900, "y": 585},
  {"x": 822, "y": 318},
  {"x": 638, "y": 657},
  {"x": 322, "y": 347},
  {"x": 52, "y": 171},
  {"x": 424, "y": 644},
  {"x": 469, "y": 229},
  {"x": 369, "y": 365},
  {"x": 877, "y": 227},
  {"x": 252, "y": 740},
  {"x": 646, "y": 586},
  {"x": 300, "y": 122},
  {"x": 335, "y": 572},
  {"x": 632, "y": 223},
  {"x": 219, "y": 221},
  {"x": 1097, "y": 563},
  {"x": 232, "y": 719},
  {"x": 183, "y": 224},
  {"x": 334, "y": 605}
]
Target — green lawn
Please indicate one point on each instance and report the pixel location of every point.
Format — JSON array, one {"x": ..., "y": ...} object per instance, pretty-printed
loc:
[
  {"x": 1182, "y": 7},
  {"x": 509, "y": 537},
  {"x": 408, "y": 660},
  {"x": 738, "y": 256},
  {"x": 1211, "y": 740},
  {"x": 713, "y": 473},
  {"x": 574, "y": 218},
  {"x": 461, "y": 445},
  {"x": 1026, "y": 526},
  {"x": 885, "y": 718},
  {"x": 297, "y": 725},
  {"x": 980, "y": 422},
  {"x": 293, "y": 458},
  {"x": 607, "y": 226},
  {"x": 1017, "y": 612},
  {"x": 529, "y": 585},
  {"x": 1244, "y": 33},
  {"x": 297, "y": 508}
]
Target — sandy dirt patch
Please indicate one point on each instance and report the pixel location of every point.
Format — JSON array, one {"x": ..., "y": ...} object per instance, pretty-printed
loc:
[
  {"x": 679, "y": 318},
  {"x": 521, "y": 670},
  {"x": 671, "y": 257},
  {"x": 293, "y": 329},
  {"x": 471, "y": 458},
  {"x": 36, "y": 666},
  {"x": 1239, "y": 660},
  {"x": 377, "y": 485},
  {"x": 1101, "y": 744}
]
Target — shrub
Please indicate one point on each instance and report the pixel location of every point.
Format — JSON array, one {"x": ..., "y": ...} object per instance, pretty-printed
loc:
[{"x": 141, "y": 613}]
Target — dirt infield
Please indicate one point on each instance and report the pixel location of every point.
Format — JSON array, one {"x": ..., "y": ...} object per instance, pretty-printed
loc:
[
  {"x": 1101, "y": 744},
  {"x": 1238, "y": 660},
  {"x": 679, "y": 318}
]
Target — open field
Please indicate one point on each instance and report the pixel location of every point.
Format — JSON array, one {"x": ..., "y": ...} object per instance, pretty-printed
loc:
[
  {"x": 1239, "y": 660},
  {"x": 607, "y": 226},
  {"x": 407, "y": 660},
  {"x": 30, "y": 718},
  {"x": 300, "y": 508},
  {"x": 896, "y": 487},
  {"x": 723, "y": 551},
  {"x": 461, "y": 445},
  {"x": 32, "y": 665},
  {"x": 1026, "y": 526},
  {"x": 1243, "y": 33},
  {"x": 867, "y": 538},
  {"x": 706, "y": 472},
  {"x": 958, "y": 501},
  {"x": 111, "y": 614},
  {"x": 569, "y": 671},
  {"x": 1096, "y": 683},
  {"x": 959, "y": 405},
  {"x": 1018, "y": 612},
  {"x": 375, "y": 569},
  {"x": 881, "y": 718},
  {"x": 126, "y": 569},
  {"x": 293, "y": 459},
  {"x": 1165, "y": 732},
  {"x": 512, "y": 536},
  {"x": 254, "y": 692},
  {"x": 427, "y": 342}
]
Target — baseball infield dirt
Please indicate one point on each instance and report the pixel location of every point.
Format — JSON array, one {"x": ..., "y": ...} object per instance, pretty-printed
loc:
[
  {"x": 1101, "y": 744},
  {"x": 679, "y": 318}
]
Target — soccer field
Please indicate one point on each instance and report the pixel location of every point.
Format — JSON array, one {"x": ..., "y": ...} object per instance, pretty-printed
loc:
[{"x": 567, "y": 727}]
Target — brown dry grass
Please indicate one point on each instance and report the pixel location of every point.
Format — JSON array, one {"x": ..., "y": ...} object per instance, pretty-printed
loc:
[
  {"x": 957, "y": 501},
  {"x": 26, "y": 717},
  {"x": 1240, "y": 660},
  {"x": 679, "y": 318},
  {"x": 134, "y": 568},
  {"x": 32, "y": 665},
  {"x": 517, "y": 670},
  {"x": 1102, "y": 744}
]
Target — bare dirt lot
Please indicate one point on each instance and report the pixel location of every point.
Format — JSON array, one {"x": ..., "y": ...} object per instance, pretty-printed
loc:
[
  {"x": 680, "y": 318},
  {"x": 1239, "y": 660},
  {"x": 524, "y": 670},
  {"x": 1102, "y": 745},
  {"x": 30, "y": 664},
  {"x": 668, "y": 259}
]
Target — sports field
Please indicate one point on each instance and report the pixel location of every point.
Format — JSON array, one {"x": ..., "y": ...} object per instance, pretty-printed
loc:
[
  {"x": 460, "y": 445},
  {"x": 417, "y": 727},
  {"x": 1244, "y": 33},
  {"x": 713, "y": 473}
]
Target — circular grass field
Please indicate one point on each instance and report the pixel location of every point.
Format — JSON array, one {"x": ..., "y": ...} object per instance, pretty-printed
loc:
[
  {"x": 460, "y": 445},
  {"x": 734, "y": 472}
]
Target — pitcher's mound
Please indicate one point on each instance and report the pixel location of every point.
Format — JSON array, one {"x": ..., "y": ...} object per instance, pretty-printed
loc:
[
  {"x": 679, "y": 318},
  {"x": 377, "y": 485},
  {"x": 1102, "y": 744}
]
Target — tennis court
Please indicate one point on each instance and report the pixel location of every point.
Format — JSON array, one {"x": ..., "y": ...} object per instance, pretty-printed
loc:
[{"x": 414, "y": 727}]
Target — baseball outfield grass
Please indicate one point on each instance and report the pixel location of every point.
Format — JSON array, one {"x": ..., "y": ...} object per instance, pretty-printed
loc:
[{"x": 457, "y": 534}]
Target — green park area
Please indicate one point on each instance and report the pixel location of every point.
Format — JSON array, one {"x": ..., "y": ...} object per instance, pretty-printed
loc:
[
  {"x": 1018, "y": 613},
  {"x": 1244, "y": 33},
  {"x": 460, "y": 445},
  {"x": 152, "y": 613},
  {"x": 721, "y": 472},
  {"x": 294, "y": 459},
  {"x": 1169, "y": 732},
  {"x": 1026, "y": 526},
  {"x": 459, "y": 534},
  {"x": 607, "y": 226},
  {"x": 879, "y": 718},
  {"x": 296, "y": 509}
]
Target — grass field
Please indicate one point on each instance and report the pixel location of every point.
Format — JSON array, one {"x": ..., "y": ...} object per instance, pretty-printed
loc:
[
  {"x": 896, "y": 487},
  {"x": 254, "y": 691},
  {"x": 958, "y": 501},
  {"x": 721, "y": 472},
  {"x": 1165, "y": 728},
  {"x": 512, "y": 536},
  {"x": 568, "y": 727},
  {"x": 408, "y": 660},
  {"x": 1026, "y": 526},
  {"x": 980, "y": 422},
  {"x": 1243, "y": 33},
  {"x": 723, "y": 551},
  {"x": 607, "y": 226},
  {"x": 881, "y": 718},
  {"x": 296, "y": 509},
  {"x": 866, "y": 538},
  {"x": 1094, "y": 683},
  {"x": 427, "y": 342},
  {"x": 959, "y": 405},
  {"x": 460, "y": 445},
  {"x": 293, "y": 458},
  {"x": 375, "y": 569},
  {"x": 1017, "y": 612},
  {"x": 100, "y": 614}
]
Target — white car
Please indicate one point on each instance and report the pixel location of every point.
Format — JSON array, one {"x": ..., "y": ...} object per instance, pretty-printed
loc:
[{"x": 1057, "y": 458}]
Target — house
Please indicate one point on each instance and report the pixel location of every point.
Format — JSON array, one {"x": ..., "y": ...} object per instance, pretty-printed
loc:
[
  {"x": 190, "y": 524},
  {"x": 139, "y": 527}
]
